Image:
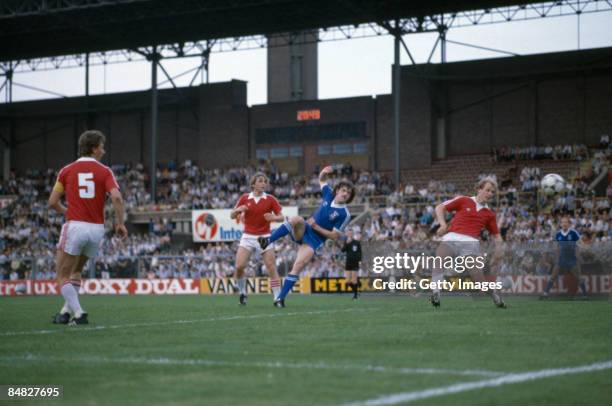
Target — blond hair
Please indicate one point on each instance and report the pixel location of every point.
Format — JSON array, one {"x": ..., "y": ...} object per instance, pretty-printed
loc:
[
  {"x": 483, "y": 182},
  {"x": 256, "y": 176}
]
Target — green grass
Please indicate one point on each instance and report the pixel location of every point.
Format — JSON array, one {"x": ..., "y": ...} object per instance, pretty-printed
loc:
[{"x": 315, "y": 351}]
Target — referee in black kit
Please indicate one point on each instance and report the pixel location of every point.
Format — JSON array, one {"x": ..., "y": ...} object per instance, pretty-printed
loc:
[{"x": 352, "y": 249}]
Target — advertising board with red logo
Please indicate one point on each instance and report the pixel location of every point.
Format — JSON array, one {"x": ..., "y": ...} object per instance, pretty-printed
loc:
[
  {"x": 105, "y": 287},
  {"x": 216, "y": 225}
]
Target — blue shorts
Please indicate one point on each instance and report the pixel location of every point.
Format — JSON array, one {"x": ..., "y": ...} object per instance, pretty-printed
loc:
[
  {"x": 310, "y": 238},
  {"x": 567, "y": 263}
]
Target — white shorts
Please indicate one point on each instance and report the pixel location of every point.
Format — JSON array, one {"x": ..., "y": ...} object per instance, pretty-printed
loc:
[
  {"x": 462, "y": 244},
  {"x": 249, "y": 241},
  {"x": 81, "y": 238}
]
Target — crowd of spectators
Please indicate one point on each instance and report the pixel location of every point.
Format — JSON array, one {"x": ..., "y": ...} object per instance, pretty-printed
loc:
[
  {"x": 29, "y": 230},
  {"x": 189, "y": 187},
  {"x": 558, "y": 152}
]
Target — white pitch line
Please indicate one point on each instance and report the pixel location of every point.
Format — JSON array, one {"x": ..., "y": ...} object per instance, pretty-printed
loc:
[
  {"x": 406, "y": 397},
  {"x": 258, "y": 364},
  {"x": 171, "y": 322}
]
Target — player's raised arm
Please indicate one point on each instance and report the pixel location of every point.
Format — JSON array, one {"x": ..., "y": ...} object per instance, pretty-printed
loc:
[
  {"x": 55, "y": 198},
  {"x": 325, "y": 172},
  {"x": 119, "y": 207}
]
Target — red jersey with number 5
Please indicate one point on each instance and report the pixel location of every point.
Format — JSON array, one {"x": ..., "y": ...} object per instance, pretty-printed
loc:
[{"x": 85, "y": 183}]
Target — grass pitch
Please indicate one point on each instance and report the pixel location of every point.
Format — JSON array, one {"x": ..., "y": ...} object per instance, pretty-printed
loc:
[{"x": 320, "y": 350}]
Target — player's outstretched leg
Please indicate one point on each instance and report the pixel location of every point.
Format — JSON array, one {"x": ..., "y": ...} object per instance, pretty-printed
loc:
[
  {"x": 293, "y": 226},
  {"x": 304, "y": 255}
]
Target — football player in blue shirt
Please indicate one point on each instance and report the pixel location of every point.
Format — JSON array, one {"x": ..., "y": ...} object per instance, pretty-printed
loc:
[
  {"x": 567, "y": 238},
  {"x": 328, "y": 221}
]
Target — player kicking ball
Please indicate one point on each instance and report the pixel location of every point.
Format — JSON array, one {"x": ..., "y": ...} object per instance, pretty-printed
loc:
[
  {"x": 462, "y": 238},
  {"x": 256, "y": 209},
  {"x": 568, "y": 239},
  {"x": 85, "y": 184},
  {"x": 328, "y": 221}
]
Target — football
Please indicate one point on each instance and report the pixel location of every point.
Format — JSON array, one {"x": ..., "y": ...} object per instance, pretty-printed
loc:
[{"x": 552, "y": 184}]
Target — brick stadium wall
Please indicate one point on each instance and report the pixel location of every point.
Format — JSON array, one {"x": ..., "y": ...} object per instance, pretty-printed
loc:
[
  {"x": 540, "y": 99},
  {"x": 415, "y": 126},
  {"x": 223, "y": 126},
  {"x": 46, "y": 132}
]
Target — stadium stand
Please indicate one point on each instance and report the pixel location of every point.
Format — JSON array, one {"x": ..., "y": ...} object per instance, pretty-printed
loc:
[{"x": 402, "y": 215}]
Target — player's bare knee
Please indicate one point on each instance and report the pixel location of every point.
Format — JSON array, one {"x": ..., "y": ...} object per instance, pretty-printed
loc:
[{"x": 295, "y": 220}]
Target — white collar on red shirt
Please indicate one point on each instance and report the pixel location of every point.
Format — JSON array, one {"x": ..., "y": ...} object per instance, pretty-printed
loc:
[
  {"x": 478, "y": 205},
  {"x": 257, "y": 198},
  {"x": 87, "y": 158}
]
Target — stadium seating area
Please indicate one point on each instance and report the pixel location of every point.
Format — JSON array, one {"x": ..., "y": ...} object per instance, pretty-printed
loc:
[{"x": 401, "y": 215}]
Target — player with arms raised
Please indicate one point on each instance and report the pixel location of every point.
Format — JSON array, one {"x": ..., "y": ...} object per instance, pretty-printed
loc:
[
  {"x": 462, "y": 238},
  {"x": 328, "y": 221},
  {"x": 85, "y": 184},
  {"x": 256, "y": 209}
]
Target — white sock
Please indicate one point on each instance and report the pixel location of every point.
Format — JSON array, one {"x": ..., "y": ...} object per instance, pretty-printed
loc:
[
  {"x": 241, "y": 285},
  {"x": 275, "y": 285},
  {"x": 71, "y": 295},
  {"x": 65, "y": 308}
]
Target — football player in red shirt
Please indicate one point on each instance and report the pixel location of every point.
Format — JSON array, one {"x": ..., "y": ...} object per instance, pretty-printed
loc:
[
  {"x": 462, "y": 238},
  {"x": 256, "y": 209},
  {"x": 84, "y": 184}
]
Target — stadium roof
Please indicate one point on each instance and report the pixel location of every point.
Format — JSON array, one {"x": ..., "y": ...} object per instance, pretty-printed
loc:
[{"x": 44, "y": 28}]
